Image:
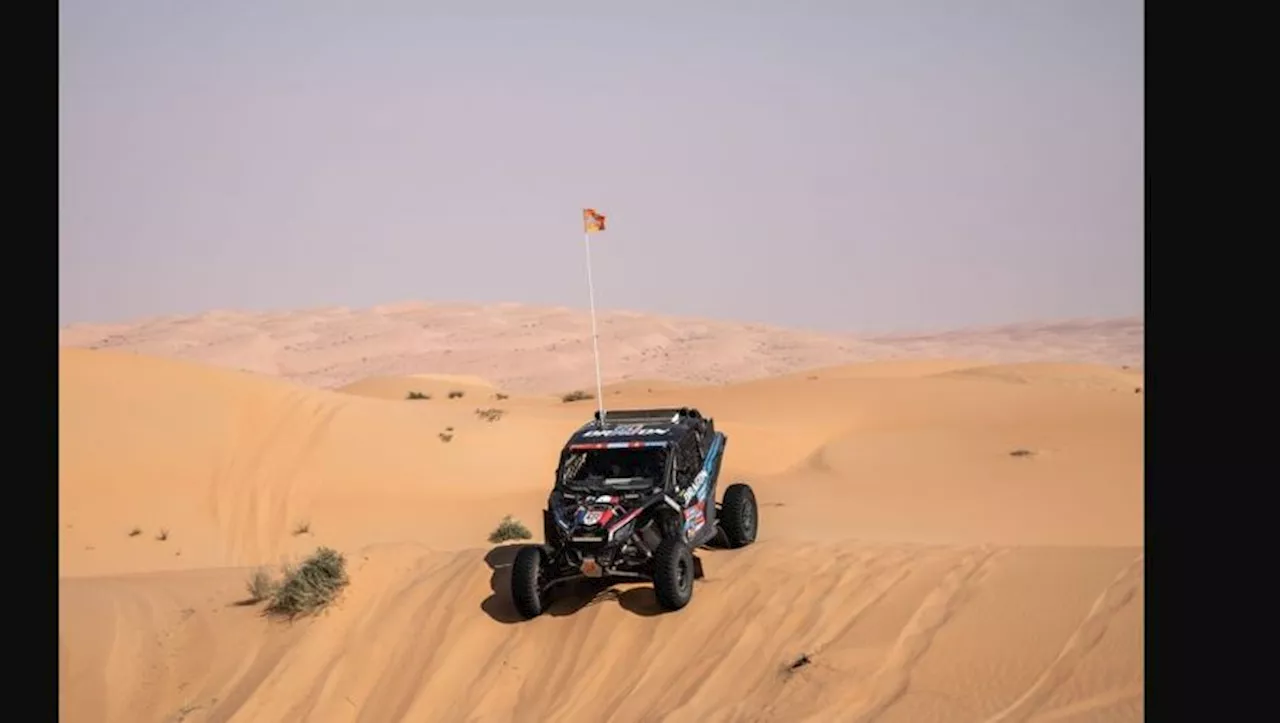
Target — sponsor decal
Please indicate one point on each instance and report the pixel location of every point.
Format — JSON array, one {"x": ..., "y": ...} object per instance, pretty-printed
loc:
[
  {"x": 627, "y": 430},
  {"x": 589, "y": 516},
  {"x": 694, "y": 518},
  {"x": 697, "y": 489}
]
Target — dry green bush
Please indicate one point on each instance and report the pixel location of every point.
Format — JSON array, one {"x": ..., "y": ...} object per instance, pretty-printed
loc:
[
  {"x": 509, "y": 529},
  {"x": 309, "y": 587},
  {"x": 261, "y": 586}
]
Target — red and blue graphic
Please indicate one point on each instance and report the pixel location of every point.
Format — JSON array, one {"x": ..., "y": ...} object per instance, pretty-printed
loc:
[
  {"x": 695, "y": 517},
  {"x": 596, "y": 513}
]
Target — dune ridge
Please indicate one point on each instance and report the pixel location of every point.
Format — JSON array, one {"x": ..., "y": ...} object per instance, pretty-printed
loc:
[
  {"x": 927, "y": 571},
  {"x": 538, "y": 349}
]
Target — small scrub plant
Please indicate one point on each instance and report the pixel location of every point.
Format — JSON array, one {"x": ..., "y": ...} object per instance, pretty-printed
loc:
[
  {"x": 500, "y": 396},
  {"x": 446, "y": 436},
  {"x": 135, "y": 532},
  {"x": 261, "y": 586},
  {"x": 302, "y": 528},
  {"x": 311, "y": 586},
  {"x": 456, "y": 394},
  {"x": 164, "y": 535},
  {"x": 509, "y": 529},
  {"x": 490, "y": 415},
  {"x": 576, "y": 396},
  {"x": 417, "y": 395},
  {"x": 1021, "y": 453}
]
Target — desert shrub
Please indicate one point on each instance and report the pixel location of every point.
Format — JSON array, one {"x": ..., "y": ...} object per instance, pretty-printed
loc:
[
  {"x": 446, "y": 437},
  {"x": 135, "y": 532},
  {"x": 261, "y": 586},
  {"x": 456, "y": 394},
  {"x": 164, "y": 535},
  {"x": 417, "y": 395},
  {"x": 509, "y": 529},
  {"x": 1021, "y": 453},
  {"x": 311, "y": 586},
  {"x": 576, "y": 396},
  {"x": 302, "y": 528},
  {"x": 500, "y": 396},
  {"x": 490, "y": 415}
]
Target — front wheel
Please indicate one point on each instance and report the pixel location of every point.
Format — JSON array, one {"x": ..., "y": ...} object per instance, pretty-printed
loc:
[
  {"x": 526, "y": 582},
  {"x": 673, "y": 573},
  {"x": 739, "y": 515}
]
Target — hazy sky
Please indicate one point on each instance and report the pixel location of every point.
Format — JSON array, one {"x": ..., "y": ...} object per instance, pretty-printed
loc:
[{"x": 866, "y": 166}]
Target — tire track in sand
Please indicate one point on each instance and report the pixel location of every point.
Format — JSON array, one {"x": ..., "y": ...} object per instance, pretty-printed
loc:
[
  {"x": 262, "y": 508},
  {"x": 891, "y": 680},
  {"x": 238, "y": 508},
  {"x": 884, "y": 572},
  {"x": 1092, "y": 704},
  {"x": 321, "y": 419},
  {"x": 1115, "y": 596}
]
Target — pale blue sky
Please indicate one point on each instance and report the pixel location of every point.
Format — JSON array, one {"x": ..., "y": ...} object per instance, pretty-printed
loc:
[{"x": 865, "y": 166}]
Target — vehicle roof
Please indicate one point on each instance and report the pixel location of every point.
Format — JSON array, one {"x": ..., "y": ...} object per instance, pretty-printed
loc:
[{"x": 636, "y": 428}]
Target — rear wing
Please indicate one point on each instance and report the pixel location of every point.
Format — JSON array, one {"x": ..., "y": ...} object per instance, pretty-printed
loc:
[{"x": 648, "y": 416}]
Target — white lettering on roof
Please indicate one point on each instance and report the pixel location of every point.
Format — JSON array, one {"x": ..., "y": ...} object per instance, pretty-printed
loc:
[{"x": 634, "y": 430}]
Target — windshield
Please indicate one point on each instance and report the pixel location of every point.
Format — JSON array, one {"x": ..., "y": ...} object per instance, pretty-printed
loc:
[{"x": 627, "y": 469}]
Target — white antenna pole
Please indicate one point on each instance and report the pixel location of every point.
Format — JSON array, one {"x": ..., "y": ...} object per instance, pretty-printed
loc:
[{"x": 595, "y": 343}]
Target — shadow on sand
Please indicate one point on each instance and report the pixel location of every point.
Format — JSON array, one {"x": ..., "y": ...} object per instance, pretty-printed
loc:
[{"x": 567, "y": 598}]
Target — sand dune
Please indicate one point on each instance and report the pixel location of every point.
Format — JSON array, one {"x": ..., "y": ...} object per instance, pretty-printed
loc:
[
  {"x": 1090, "y": 376},
  {"x": 431, "y": 385},
  {"x": 895, "y": 632},
  {"x": 540, "y": 349},
  {"x": 928, "y": 572}
]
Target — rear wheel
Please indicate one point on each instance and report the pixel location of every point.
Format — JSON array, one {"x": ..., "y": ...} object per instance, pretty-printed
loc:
[
  {"x": 673, "y": 573},
  {"x": 527, "y": 577},
  {"x": 738, "y": 515}
]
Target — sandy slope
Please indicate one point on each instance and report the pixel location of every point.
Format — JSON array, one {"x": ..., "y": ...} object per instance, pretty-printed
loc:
[{"x": 928, "y": 573}]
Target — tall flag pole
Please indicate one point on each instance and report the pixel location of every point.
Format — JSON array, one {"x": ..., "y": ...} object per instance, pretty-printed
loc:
[{"x": 593, "y": 222}]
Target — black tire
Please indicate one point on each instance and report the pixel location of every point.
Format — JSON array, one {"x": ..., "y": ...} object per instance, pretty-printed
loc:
[
  {"x": 739, "y": 516},
  {"x": 526, "y": 582},
  {"x": 673, "y": 573}
]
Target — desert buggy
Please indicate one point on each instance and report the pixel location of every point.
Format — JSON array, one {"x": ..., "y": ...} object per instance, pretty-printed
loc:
[{"x": 634, "y": 495}]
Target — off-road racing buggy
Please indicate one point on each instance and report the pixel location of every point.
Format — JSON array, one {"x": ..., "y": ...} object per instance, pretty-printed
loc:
[{"x": 634, "y": 495}]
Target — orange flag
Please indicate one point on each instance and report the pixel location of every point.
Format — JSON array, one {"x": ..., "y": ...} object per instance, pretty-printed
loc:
[{"x": 592, "y": 221}]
